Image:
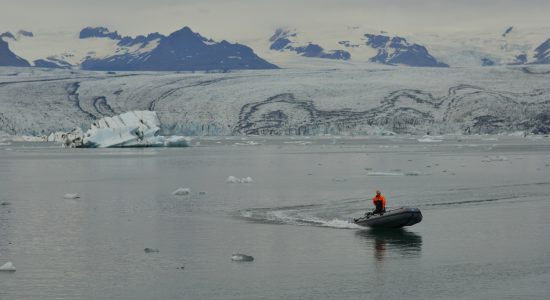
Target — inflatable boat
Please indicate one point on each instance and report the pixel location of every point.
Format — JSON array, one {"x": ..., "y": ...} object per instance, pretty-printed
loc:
[{"x": 396, "y": 218}]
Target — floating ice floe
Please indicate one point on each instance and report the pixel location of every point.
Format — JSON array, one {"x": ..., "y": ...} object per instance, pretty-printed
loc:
[
  {"x": 130, "y": 129},
  {"x": 181, "y": 192},
  {"x": 518, "y": 133},
  {"x": 241, "y": 257},
  {"x": 249, "y": 143},
  {"x": 384, "y": 174},
  {"x": 71, "y": 196},
  {"x": 8, "y": 267},
  {"x": 430, "y": 139},
  {"x": 233, "y": 179},
  {"x": 388, "y": 146},
  {"x": 339, "y": 179},
  {"x": 495, "y": 158},
  {"x": 297, "y": 142},
  {"x": 27, "y": 138},
  {"x": 56, "y": 137}
]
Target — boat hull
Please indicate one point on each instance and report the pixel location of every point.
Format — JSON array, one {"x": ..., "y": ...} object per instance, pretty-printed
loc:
[{"x": 396, "y": 218}]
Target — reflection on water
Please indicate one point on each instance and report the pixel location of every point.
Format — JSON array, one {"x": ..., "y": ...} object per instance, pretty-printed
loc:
[{"x": 389, "y": 243}]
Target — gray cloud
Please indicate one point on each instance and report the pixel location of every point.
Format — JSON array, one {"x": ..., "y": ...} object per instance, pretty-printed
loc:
[{"x": 248, "y": 19}]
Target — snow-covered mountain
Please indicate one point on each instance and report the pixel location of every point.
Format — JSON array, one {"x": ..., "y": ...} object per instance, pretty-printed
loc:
[
  {"x": 510, "y": 46},
  {"x": 542, "y": 53},
  {"x": 284, "y": 40},
  {"x": 98, "y": 48},
  {"x": 501, "y": 99},
  {"x": 358, "y": 45},
  {"x": 181, "y": 50},
  {"x": 397, "y": 51},
  {"x": 8, "y": 58},
  {"x": 379, "y": 48}
]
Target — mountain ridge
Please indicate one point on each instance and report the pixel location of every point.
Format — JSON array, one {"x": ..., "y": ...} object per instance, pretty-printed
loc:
[
  {"x": 183, "y": 50},
  {"x": 99, "y": 48}
]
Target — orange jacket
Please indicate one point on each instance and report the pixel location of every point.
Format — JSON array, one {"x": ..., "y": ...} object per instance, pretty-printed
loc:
[{"x": 381, "y": 198}]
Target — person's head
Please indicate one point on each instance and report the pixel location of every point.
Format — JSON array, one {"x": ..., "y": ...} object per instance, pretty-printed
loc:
[{"x": 378, "y": 193}]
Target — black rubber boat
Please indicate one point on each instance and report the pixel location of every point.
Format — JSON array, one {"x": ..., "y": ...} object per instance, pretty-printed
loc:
[{"x": 396, "y": 218}]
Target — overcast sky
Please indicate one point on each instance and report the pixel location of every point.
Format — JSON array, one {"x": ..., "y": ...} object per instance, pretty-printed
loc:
[{"x": 240, "y": 20}]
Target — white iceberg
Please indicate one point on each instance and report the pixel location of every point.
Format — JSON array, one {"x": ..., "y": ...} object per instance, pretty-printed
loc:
[
  {"x": 130, "y": 129},
  {"x": 8, "y": 267},
  {"x": 181, "y": 192}
]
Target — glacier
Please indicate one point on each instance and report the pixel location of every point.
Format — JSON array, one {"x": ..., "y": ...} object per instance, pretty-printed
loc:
[{"x": 331, "y": 101}]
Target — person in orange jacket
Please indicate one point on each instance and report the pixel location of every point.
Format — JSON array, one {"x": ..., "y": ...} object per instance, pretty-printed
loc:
[{"x": 379, "y": 202}]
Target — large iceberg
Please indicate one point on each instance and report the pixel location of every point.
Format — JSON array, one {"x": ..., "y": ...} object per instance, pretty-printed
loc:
[{"x": 130, "y": 129}]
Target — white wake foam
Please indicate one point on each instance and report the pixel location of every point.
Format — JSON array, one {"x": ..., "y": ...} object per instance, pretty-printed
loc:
[{"x": 295, "y": 218}]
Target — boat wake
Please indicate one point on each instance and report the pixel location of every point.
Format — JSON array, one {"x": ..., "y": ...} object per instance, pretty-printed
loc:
[{"x": 332, "y": 215}]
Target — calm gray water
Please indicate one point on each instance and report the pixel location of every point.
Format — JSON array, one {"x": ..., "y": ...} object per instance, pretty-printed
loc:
[{"x": 485, "y": 232}]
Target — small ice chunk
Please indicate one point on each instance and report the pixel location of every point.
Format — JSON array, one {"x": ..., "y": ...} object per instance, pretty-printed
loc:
[
  {"x": 384, "y": 174},
  {"x": 298, "y": 142},
  {"x": 176, "y": 141},
  {"x": 430, "y": 139},
  {"x": 71, "y": 196},
  {"x": 495, "y": 158},
  {"x": 181, "y": 192},
  {"x": 241, "y": 257},
  {"x": 249, "y": 143},
  {"x": 233, "y": 179},
  {"x": 247, "y": 180},
  {"x": 8, "y": 267}
]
